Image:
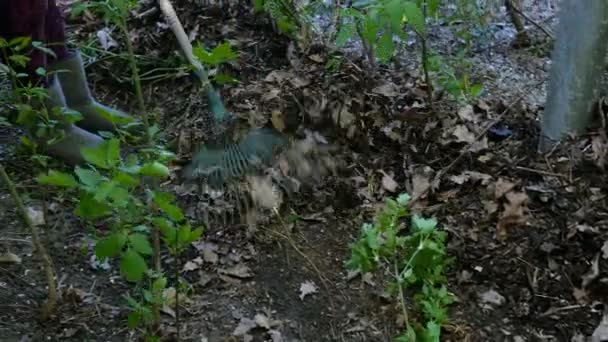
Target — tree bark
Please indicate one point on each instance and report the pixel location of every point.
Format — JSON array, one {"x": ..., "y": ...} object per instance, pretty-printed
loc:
[{"x": 576, "y": 73}]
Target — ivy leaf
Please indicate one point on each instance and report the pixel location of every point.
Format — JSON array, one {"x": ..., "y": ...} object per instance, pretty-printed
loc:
[
  {"x": 57, "y": 178},
  {"x": 140, "y": 243},
  {"x": 133, "y": 266},
  {"x": 110, "y": 246}
]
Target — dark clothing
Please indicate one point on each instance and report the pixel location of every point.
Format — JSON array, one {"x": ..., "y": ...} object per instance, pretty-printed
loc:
[{"x": 39, "y": 19}]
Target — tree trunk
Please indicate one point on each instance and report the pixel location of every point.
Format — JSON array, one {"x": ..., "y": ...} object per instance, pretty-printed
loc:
[{"x": 576, "y": 73}]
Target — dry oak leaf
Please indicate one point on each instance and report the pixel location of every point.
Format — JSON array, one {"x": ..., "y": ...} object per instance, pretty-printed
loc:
[{"x": 513, "y": 214}]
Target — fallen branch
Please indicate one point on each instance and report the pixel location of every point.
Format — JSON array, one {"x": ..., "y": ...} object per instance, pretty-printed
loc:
[{"x": 50, "y": 304}]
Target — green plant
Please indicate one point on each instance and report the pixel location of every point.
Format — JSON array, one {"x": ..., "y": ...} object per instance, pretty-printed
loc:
[
  {"x": 416, "y": 261},
  {"x": 220, "y": 54},
  {"x": 451, "y": 75},
  {"x": 113, "y": 189},
  {"x": 378, "y": 23}
]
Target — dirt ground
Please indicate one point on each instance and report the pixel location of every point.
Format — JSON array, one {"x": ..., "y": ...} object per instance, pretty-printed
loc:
[{"x": 544, "y": 279}]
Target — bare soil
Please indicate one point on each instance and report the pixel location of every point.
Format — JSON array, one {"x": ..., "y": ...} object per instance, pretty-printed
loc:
[{"x": 517, "y": 283}]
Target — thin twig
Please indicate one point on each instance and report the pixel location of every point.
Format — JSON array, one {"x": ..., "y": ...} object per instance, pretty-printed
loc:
[
  {"x": 542, "y": 172},
  {"x": 539, "y": 26}
]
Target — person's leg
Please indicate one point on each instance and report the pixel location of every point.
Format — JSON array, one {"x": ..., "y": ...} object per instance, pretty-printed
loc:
[
  {"x": 27, "y": 18},
  {"x": 72, "y": 77},
  {"x": 55, "y": 32}
]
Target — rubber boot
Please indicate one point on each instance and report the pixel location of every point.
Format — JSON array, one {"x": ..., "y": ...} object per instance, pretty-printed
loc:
[
  {"x": 68, "y": 149},
  {"x": 73, "y": 80}
]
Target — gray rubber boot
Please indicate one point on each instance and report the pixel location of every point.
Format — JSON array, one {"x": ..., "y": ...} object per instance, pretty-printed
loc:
[
  {"x": 73, "y": 80},
  {"x": 68, "y": 149}
]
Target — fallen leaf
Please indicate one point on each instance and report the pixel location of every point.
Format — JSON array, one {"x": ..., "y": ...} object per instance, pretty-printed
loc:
[
  {"x": 501, "y": 187},
  {"x": 105, "y": 39},
  {"x": 601, "y": 331},
  {"x": 262, "y": 321},
  {"x": 245, "y": 325},
  {"x": 271, "y": 95},
  {"x": 466, "y": 113},
  {"x": 492, "y": 297},
  {"x": 10, "y": 258},
  {"x": 277, "y": 76},
  {"x": 420, "y": 183},
  {"x": 307, "y": 288},
  {"x": 190, "y": 266},
  {"x": 263, "y": 193},
  {"x": 388, "y": 89},
  {"x": 277, "y": 120},
  {"x": 316, "y": 58},
  {"x": 513, "y": 213},
  {"x": 388, "y": 183},
  {"x": 592, "y": 273},
  {"x": 240, "y": 271},
  {"x": 462, "y": 134},
  {"x": 605, "y": 250},
  {"x": 36, "y": 216}
]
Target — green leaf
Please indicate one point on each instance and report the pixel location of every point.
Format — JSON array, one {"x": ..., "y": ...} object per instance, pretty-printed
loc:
[
  {"x": 154, "y": 169},
  {"x": 220, "y": 54},
  {"x": 424, "y": 225},
  {"x": 19, "y": 43},
  {"x": 415, "y": 16},
  {"x": 369, "y": 30},
  {"x": 344, "y": 34},
  {"x": 103, "y": 190},
  {"x": 110, "y": 246},
  {"x": 196, "y": 234},
  {"x": 386, "y": 47},
  {"x": 89, "y": 208},
  {"x": 120, "y": 196},
  {"x": 165, "y": 226},
  {"x": 133, "y": 319},
  {"x": 140, "y": 243},
  {"x": 58, "y": 179},
  {"x": 88, "y": 177},
  {"x": 159, "y": 284},
  {"x": 258, "y": 5},
  {"x": 106, "y": 155},
  {"x": 163, "y": 201},
  {"x": 19, "y": 60},
  {"x": 403, "y": 199},
  {"x": 183, "y": 235},
  {"x": 133, "y": 266},
  {"x": 222, "y": 78}
]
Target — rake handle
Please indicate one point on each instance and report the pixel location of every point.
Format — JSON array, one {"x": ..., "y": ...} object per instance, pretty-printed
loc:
[{"x": 182, "y": 39}]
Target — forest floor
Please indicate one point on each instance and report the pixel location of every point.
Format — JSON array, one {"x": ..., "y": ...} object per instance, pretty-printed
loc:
[{"x": 542, "y": 279}]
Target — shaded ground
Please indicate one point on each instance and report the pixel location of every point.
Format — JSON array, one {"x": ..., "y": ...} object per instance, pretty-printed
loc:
[{"x": 521, "y": 283}]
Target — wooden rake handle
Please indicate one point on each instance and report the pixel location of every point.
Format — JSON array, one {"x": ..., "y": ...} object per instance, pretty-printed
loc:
[{"x": 182, "y": 39}]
